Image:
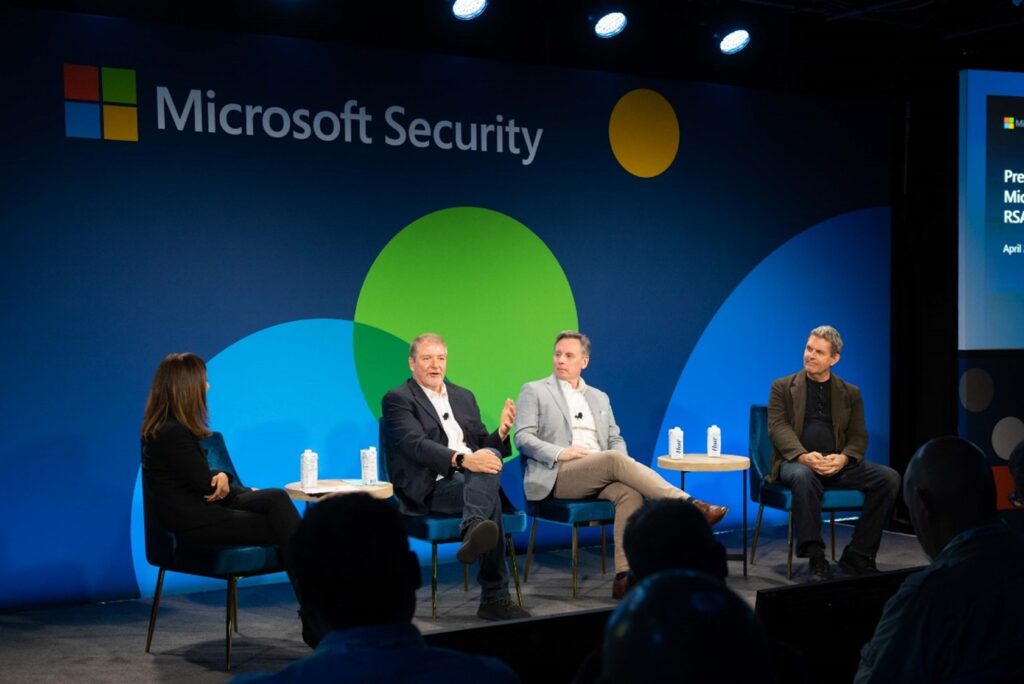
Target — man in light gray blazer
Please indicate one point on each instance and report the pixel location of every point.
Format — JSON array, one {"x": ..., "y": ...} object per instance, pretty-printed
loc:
[{"x": 567, "y": 432}]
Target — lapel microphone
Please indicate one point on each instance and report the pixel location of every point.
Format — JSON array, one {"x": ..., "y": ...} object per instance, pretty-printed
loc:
[
  {"x": 579, "y": 416},
  {"x": 445, "y": 416}
]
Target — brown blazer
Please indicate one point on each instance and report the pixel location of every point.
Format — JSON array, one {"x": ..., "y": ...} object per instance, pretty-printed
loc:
[{"x": 787, "y": 404}]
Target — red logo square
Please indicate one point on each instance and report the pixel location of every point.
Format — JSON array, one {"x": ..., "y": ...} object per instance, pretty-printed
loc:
[{"x": 81, "y": 82}]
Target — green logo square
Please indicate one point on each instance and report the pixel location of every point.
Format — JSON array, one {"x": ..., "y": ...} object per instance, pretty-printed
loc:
[{"x": 118, "y": 85}]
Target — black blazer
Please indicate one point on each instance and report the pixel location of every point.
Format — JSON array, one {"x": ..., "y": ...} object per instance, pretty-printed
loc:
[
  {"x": 178, "y": 476},
  {"x": 417, "y": 446}
]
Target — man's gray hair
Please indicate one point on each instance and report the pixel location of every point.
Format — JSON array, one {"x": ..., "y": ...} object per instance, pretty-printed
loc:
[
  {"x": 425, "y": 337},
  {"x": 575, "y": 335},
  {"x": 830, "y": 335}
]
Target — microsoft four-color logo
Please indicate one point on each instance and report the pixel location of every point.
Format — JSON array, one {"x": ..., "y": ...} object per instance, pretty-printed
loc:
[
  {"x": 1008, "y": 123},
  {"x": 99, "y": 102}
]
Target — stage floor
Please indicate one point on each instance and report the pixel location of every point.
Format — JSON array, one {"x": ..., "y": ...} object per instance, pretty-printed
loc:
[{"x": 104, "y": 642}]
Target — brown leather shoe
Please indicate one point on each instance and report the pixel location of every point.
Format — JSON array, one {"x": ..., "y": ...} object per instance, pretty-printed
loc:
[
  {"x": 620, "y": 585},
  {"x": 712, "y": 513}
]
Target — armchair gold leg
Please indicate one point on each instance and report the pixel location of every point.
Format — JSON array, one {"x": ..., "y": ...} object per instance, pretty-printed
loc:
[
  {"x": 604, "y": 548},
  {"x": 155, "y": 609},
  {"x": 757, "y": 532},
  {"x": 832, "y": 526},
  {"x": 510, "y": 546},
  {"x": 433, "y": 580},
  {"x": 789, "y": 543},
  {"x": 234, "y": 605},
  {"x": 227, "y": 622},
  {"x": 529, "y": 551},
  {"x": 575, "y": 562}
]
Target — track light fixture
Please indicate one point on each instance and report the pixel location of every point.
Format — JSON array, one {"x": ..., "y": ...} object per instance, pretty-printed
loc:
[
  {"x": 468, "y": 9},
  {"x": 610, "y": 25},
  {"x": 734, "y": 41}
]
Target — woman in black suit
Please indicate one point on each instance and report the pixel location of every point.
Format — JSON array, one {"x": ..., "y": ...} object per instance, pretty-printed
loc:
[{"x": 194, "y": 502}]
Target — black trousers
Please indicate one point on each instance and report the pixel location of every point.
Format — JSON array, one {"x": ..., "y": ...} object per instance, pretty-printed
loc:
[
  {"x": 879, "y": 483},
  {"x": 263, "y": 517}
]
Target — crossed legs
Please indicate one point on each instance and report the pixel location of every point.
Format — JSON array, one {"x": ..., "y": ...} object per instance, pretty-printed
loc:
[{"x": 615, "y": 477}]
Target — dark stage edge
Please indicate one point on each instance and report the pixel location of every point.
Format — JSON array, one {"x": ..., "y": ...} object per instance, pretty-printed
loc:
[{"x": 104, "y": 642}]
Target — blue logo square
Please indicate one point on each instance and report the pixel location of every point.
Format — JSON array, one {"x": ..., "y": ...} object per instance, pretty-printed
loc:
[{"x": 81, "y": 120}]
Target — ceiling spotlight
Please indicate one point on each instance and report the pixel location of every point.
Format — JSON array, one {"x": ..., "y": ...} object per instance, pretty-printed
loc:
[
  {"x": 610, "y": 25},
  {"x": 734, "y": 42},
  {"x": 468, "y": 9}
]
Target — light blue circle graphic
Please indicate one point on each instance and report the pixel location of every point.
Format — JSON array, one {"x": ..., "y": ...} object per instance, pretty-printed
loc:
[
  {"x": 272, "y": 394},
  {"x": 834, "y": 273}
]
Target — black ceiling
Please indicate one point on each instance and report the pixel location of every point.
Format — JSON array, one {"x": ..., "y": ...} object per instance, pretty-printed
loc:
[{"x": 859, "y": 45}]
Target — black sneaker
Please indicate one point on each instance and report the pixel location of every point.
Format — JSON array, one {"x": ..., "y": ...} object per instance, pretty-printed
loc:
[
  {"x": 479, "y": 538},
  {"x": 505, "y": 609},
  {"x": 819, "y": 569},
  {"x": 854, "y": 563}
]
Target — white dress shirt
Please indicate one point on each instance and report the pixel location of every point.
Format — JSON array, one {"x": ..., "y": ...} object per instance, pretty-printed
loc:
[
  {"x": 452, "y": 429},
  {"x": 584, "y": 429}
]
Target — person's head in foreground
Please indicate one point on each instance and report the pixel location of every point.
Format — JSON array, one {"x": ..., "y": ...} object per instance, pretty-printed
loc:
[
  {"x": 672, "y": 534},
  {"x": 353, "y": 563},
  {"x": 948, "y": 488},
  {"x": 683, "y": 626}
]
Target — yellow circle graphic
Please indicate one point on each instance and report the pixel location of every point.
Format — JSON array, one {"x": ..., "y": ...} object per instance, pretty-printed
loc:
[{"x": 644, "y": 133}]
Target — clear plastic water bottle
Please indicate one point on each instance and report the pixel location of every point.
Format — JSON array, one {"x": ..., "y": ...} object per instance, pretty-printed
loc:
[
  {"x": 308, "y": 475},
  {"x": 675, "y": 443},
  {"x": 368, "y": 464},
  {"x": 714, "y": 441}
]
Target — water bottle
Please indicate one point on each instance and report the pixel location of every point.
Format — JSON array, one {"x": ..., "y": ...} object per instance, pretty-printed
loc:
[
  {"x": 368, "y": 463},
  {"x": 308, "y": 469},
  {"x": 675, "y": 443},
  {"x": 714, "y": 441}
]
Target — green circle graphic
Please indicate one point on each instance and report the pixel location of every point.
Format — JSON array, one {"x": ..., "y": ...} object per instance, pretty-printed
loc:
[{"x": 483, "y": 281}]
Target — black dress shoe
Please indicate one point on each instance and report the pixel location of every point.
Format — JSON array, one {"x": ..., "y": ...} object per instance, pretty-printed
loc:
[
  {"x": 854, "y": 563},
  {"x": 819, "y": 569},
  {"x": 479, "y": 538},
  {"x": 505, "y": 609}
]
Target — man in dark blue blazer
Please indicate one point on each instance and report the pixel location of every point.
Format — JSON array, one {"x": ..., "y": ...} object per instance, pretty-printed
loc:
[{"x": 442, "y": 459}]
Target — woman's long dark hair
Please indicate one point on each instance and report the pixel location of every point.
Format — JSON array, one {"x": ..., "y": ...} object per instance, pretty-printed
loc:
[{"x": 179, "y": 392}]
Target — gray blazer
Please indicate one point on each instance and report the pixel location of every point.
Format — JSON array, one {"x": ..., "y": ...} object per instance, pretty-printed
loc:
[{"x": 543, "y": 428}]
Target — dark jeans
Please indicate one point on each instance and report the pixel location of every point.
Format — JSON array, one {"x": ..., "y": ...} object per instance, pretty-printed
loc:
[
  {"x": 477, "y": 496},
  {"x": 264, "y": 517},
  {"x": 879, "y": 483}
]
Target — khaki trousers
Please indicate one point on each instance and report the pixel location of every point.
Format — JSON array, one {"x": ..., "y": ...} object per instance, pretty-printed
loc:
[{"x": 615, "y": 477}]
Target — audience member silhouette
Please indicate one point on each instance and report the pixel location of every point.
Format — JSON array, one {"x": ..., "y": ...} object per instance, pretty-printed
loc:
[
  {"x": 672, "y": 534},
  {"x": 684, "y": 626},
  {"x": 959, "y": 619},
  {"x": 664, "y": 534},
  {"x": 359, "y": 579}
]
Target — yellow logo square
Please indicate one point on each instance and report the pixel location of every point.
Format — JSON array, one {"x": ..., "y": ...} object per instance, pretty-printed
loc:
[{"x": 120, "y": 123}]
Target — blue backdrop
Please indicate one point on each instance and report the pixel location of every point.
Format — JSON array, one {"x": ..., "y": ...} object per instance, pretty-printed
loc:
[{"x": 253, "y": 250}]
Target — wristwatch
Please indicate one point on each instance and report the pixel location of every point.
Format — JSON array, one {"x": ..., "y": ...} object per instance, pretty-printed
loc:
[{"x": 459, "y": 458}]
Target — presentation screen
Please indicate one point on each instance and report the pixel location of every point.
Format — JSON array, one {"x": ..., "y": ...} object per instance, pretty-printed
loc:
[{"x": 991, "y": 210}]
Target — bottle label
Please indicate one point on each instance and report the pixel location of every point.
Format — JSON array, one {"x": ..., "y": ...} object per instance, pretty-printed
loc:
[
  {"x": 675, "y": 443},
  {"x": 368, "y": 464},
  {"x": 308, "y": 475}
]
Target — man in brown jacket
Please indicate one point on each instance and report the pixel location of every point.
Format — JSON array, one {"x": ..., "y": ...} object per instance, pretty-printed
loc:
[{"x": 816, "y": 424}]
